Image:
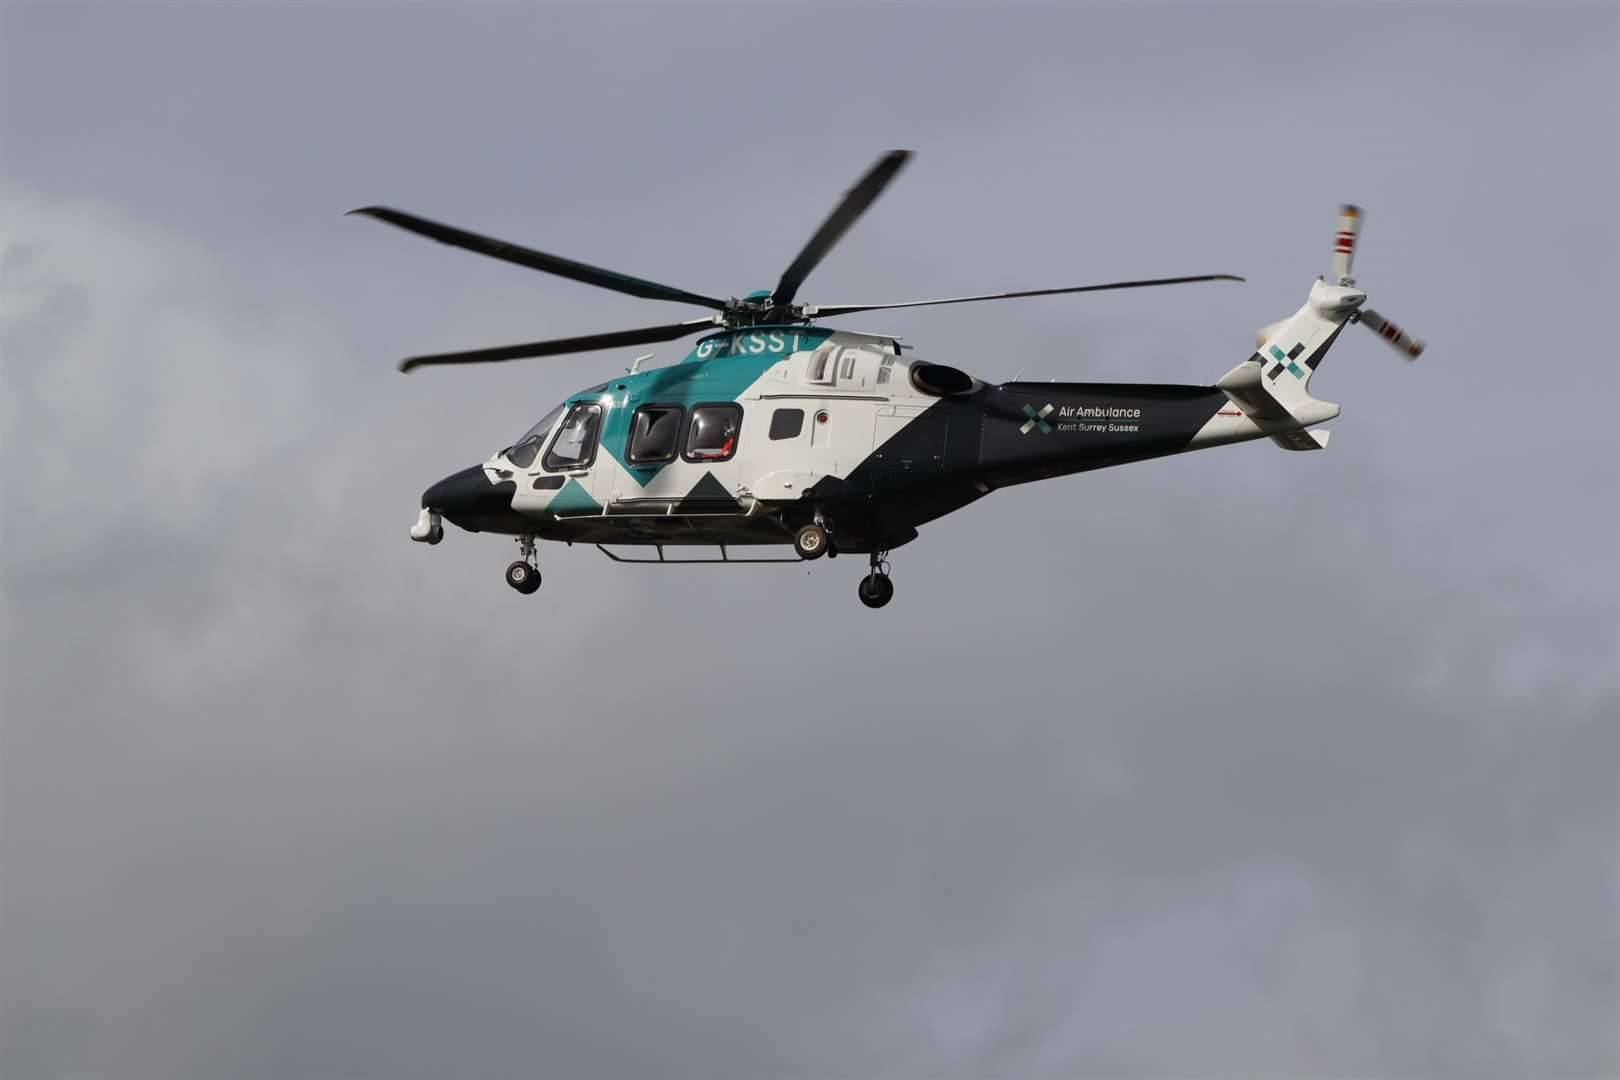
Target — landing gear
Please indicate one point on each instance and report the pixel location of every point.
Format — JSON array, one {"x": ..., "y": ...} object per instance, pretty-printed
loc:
[
  {"x": 810, "y": 542},
  {"x": 876, "y": 589},
  {"x": 524, "y": 575}
]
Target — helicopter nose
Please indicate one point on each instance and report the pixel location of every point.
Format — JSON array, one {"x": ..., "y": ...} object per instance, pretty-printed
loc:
[{"x": 468, "y": 494}]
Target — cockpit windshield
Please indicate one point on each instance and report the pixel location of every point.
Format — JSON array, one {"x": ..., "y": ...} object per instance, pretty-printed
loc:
[{"x": 523, "y": 452}]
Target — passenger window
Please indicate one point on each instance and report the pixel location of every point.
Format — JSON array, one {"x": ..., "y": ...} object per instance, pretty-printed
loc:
[
  {"x": 712, "y": 435},
  {"x": 654, "y": 434},
  {"x": 575, "y": 444},
  {"x": 787, "y": 423}
]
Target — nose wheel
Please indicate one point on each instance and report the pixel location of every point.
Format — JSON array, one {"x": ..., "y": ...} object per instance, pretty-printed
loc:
[
  {"x": 876, "y": 589},
  {"x": 524, "y": 575}
]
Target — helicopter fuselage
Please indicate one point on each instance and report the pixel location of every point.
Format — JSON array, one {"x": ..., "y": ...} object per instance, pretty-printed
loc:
[{"x": 761, "y": 430}]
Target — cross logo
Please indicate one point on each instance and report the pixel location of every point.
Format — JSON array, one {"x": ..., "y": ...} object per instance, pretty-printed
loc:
[{"x": 1036, "y": 420}]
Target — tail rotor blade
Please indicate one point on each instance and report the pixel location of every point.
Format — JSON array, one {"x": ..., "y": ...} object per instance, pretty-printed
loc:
[
  {"x": 1398, "y": 338},
  {"x": 1344, "y": 243}
]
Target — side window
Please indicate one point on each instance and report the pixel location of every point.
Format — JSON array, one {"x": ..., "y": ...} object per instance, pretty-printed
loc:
[
  {"x": 712, "y": 435},
  {"x": 819, "y": 369},
  {"x": 575, "y": 444},
  {"x": 654, "y": 433},
  {"x": 787, "y": 423}
]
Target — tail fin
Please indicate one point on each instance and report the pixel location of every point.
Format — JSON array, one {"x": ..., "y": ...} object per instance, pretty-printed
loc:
[{"x": 1274, "y": 384}]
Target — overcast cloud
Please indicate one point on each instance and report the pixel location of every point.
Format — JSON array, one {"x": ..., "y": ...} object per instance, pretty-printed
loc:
[{"x": 1242, "y": 763}]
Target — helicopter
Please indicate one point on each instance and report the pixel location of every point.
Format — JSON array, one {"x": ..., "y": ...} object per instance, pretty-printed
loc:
[{"x": 774, "y": 430}]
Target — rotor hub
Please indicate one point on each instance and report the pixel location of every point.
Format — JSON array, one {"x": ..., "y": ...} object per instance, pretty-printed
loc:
[{"x": 759, "y": 309}]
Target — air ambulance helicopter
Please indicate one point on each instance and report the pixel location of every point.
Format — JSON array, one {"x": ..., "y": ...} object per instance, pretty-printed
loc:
[{"x": 776, "y": 430}]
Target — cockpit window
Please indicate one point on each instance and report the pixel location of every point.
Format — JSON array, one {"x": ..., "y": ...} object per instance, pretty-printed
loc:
[
  {"x": 523, "y": 452},
  {"x": 713, "y": 433},
  {"x": 575, "y": 444}
]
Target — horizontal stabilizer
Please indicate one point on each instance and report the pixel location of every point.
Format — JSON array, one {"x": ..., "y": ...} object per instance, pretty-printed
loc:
[{"x": 1302, "y": 440}]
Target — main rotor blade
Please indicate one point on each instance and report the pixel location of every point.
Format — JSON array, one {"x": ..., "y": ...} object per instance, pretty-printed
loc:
[
  {"x": 537, "y": 260},
  {"x": 558, "y": 346},
  {"x": 854, "y": 204},
  {"x": 822, "y": 311}
]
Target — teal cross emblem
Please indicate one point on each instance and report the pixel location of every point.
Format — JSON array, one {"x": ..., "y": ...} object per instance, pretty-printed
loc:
[
  {"x": 1036, "y": 420},
  {"x": 1288, "y": 358}
]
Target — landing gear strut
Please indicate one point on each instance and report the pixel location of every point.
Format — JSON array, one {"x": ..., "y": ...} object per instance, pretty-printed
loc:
[
  {"x": 876, "y": 589},
  {"x": 524, "y": 575}
]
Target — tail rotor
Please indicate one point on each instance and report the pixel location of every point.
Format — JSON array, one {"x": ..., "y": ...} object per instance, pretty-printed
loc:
[{"x": 1344, "y": 255}]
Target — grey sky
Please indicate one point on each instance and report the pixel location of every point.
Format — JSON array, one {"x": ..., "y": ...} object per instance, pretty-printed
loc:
[{"x": 1242, "y": 763}]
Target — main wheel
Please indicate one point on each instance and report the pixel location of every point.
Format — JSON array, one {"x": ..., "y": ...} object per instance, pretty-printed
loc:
[
  {"x": 876, "y": 590},
  {"x": 523, "y": 577},
  {"x": 810, "y": 542}
]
